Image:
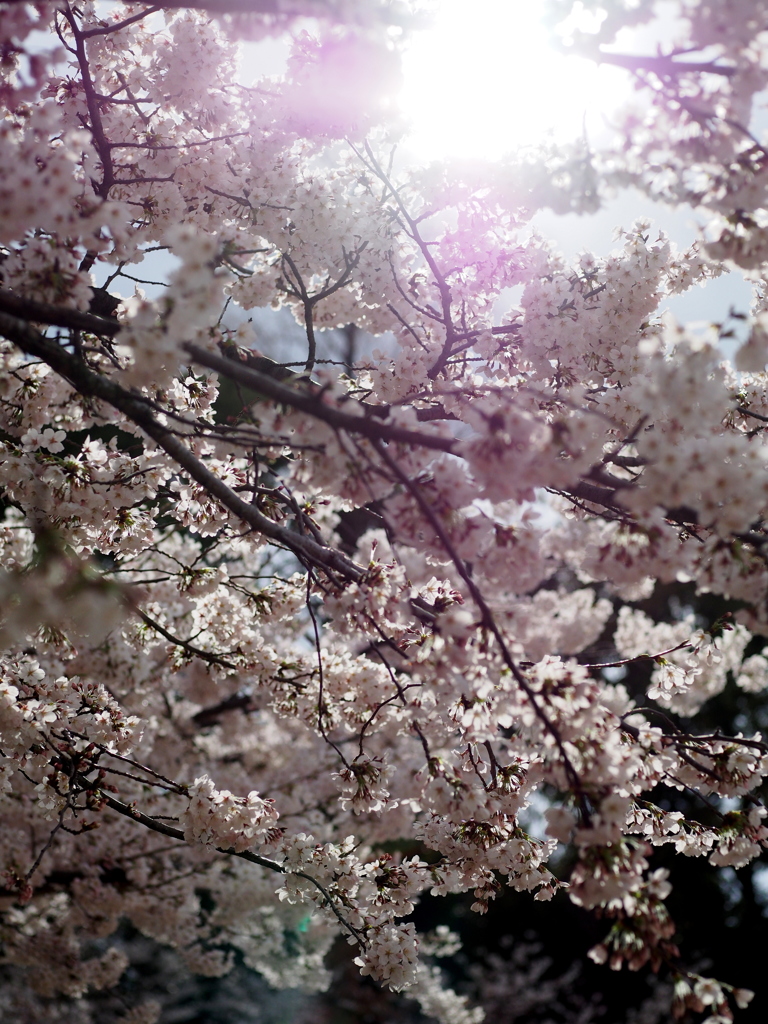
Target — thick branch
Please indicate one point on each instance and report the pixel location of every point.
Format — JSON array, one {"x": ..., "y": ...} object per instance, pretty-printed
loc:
[
  {"x": 56, "y": 316},
  {"x": 137, "y": 409},
  {"x": 311, "y": 402}
]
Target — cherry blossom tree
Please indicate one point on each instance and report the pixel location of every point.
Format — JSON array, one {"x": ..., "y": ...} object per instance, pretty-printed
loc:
[{"x": 288, "y": 645}]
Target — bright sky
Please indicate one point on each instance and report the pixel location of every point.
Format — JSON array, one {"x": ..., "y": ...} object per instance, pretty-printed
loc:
[{"x": 482, "y": 79}]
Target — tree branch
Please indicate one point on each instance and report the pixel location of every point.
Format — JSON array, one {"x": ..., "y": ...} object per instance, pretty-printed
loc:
[
  {"x": 137, "y": 410},
  {"x": 132, "y": 812},
  {"x": 665, "y": 66},
  {"x": 56, "y": 316},
  {"x": 311, "y": 402}
]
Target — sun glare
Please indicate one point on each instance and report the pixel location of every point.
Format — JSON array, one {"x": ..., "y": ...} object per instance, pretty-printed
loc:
[{"x": 483, "y": 80}]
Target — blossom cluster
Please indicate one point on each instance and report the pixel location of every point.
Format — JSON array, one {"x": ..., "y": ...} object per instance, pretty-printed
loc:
[
  {"x": 218, "y": 818},
  {"x": 413, "y": 599}
]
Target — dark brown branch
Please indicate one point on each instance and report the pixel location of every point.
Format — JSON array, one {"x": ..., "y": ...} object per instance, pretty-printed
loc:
[
  {"x": 213, "y": 659},
  {"x": 311, "y": 402},
  {"x": 748, "y": 412},
  {"x": 138, "y": 411},
  {"x": 132, "y": 812},
  {"x": 298, "y": 289},
  {"x": 96, "y": 126},
  {"x": 489, "y": 623},
  {"x": 56, "y": 316},
  {"x": 163, "y": 779},
  {"x": 592, "y": 493}
]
